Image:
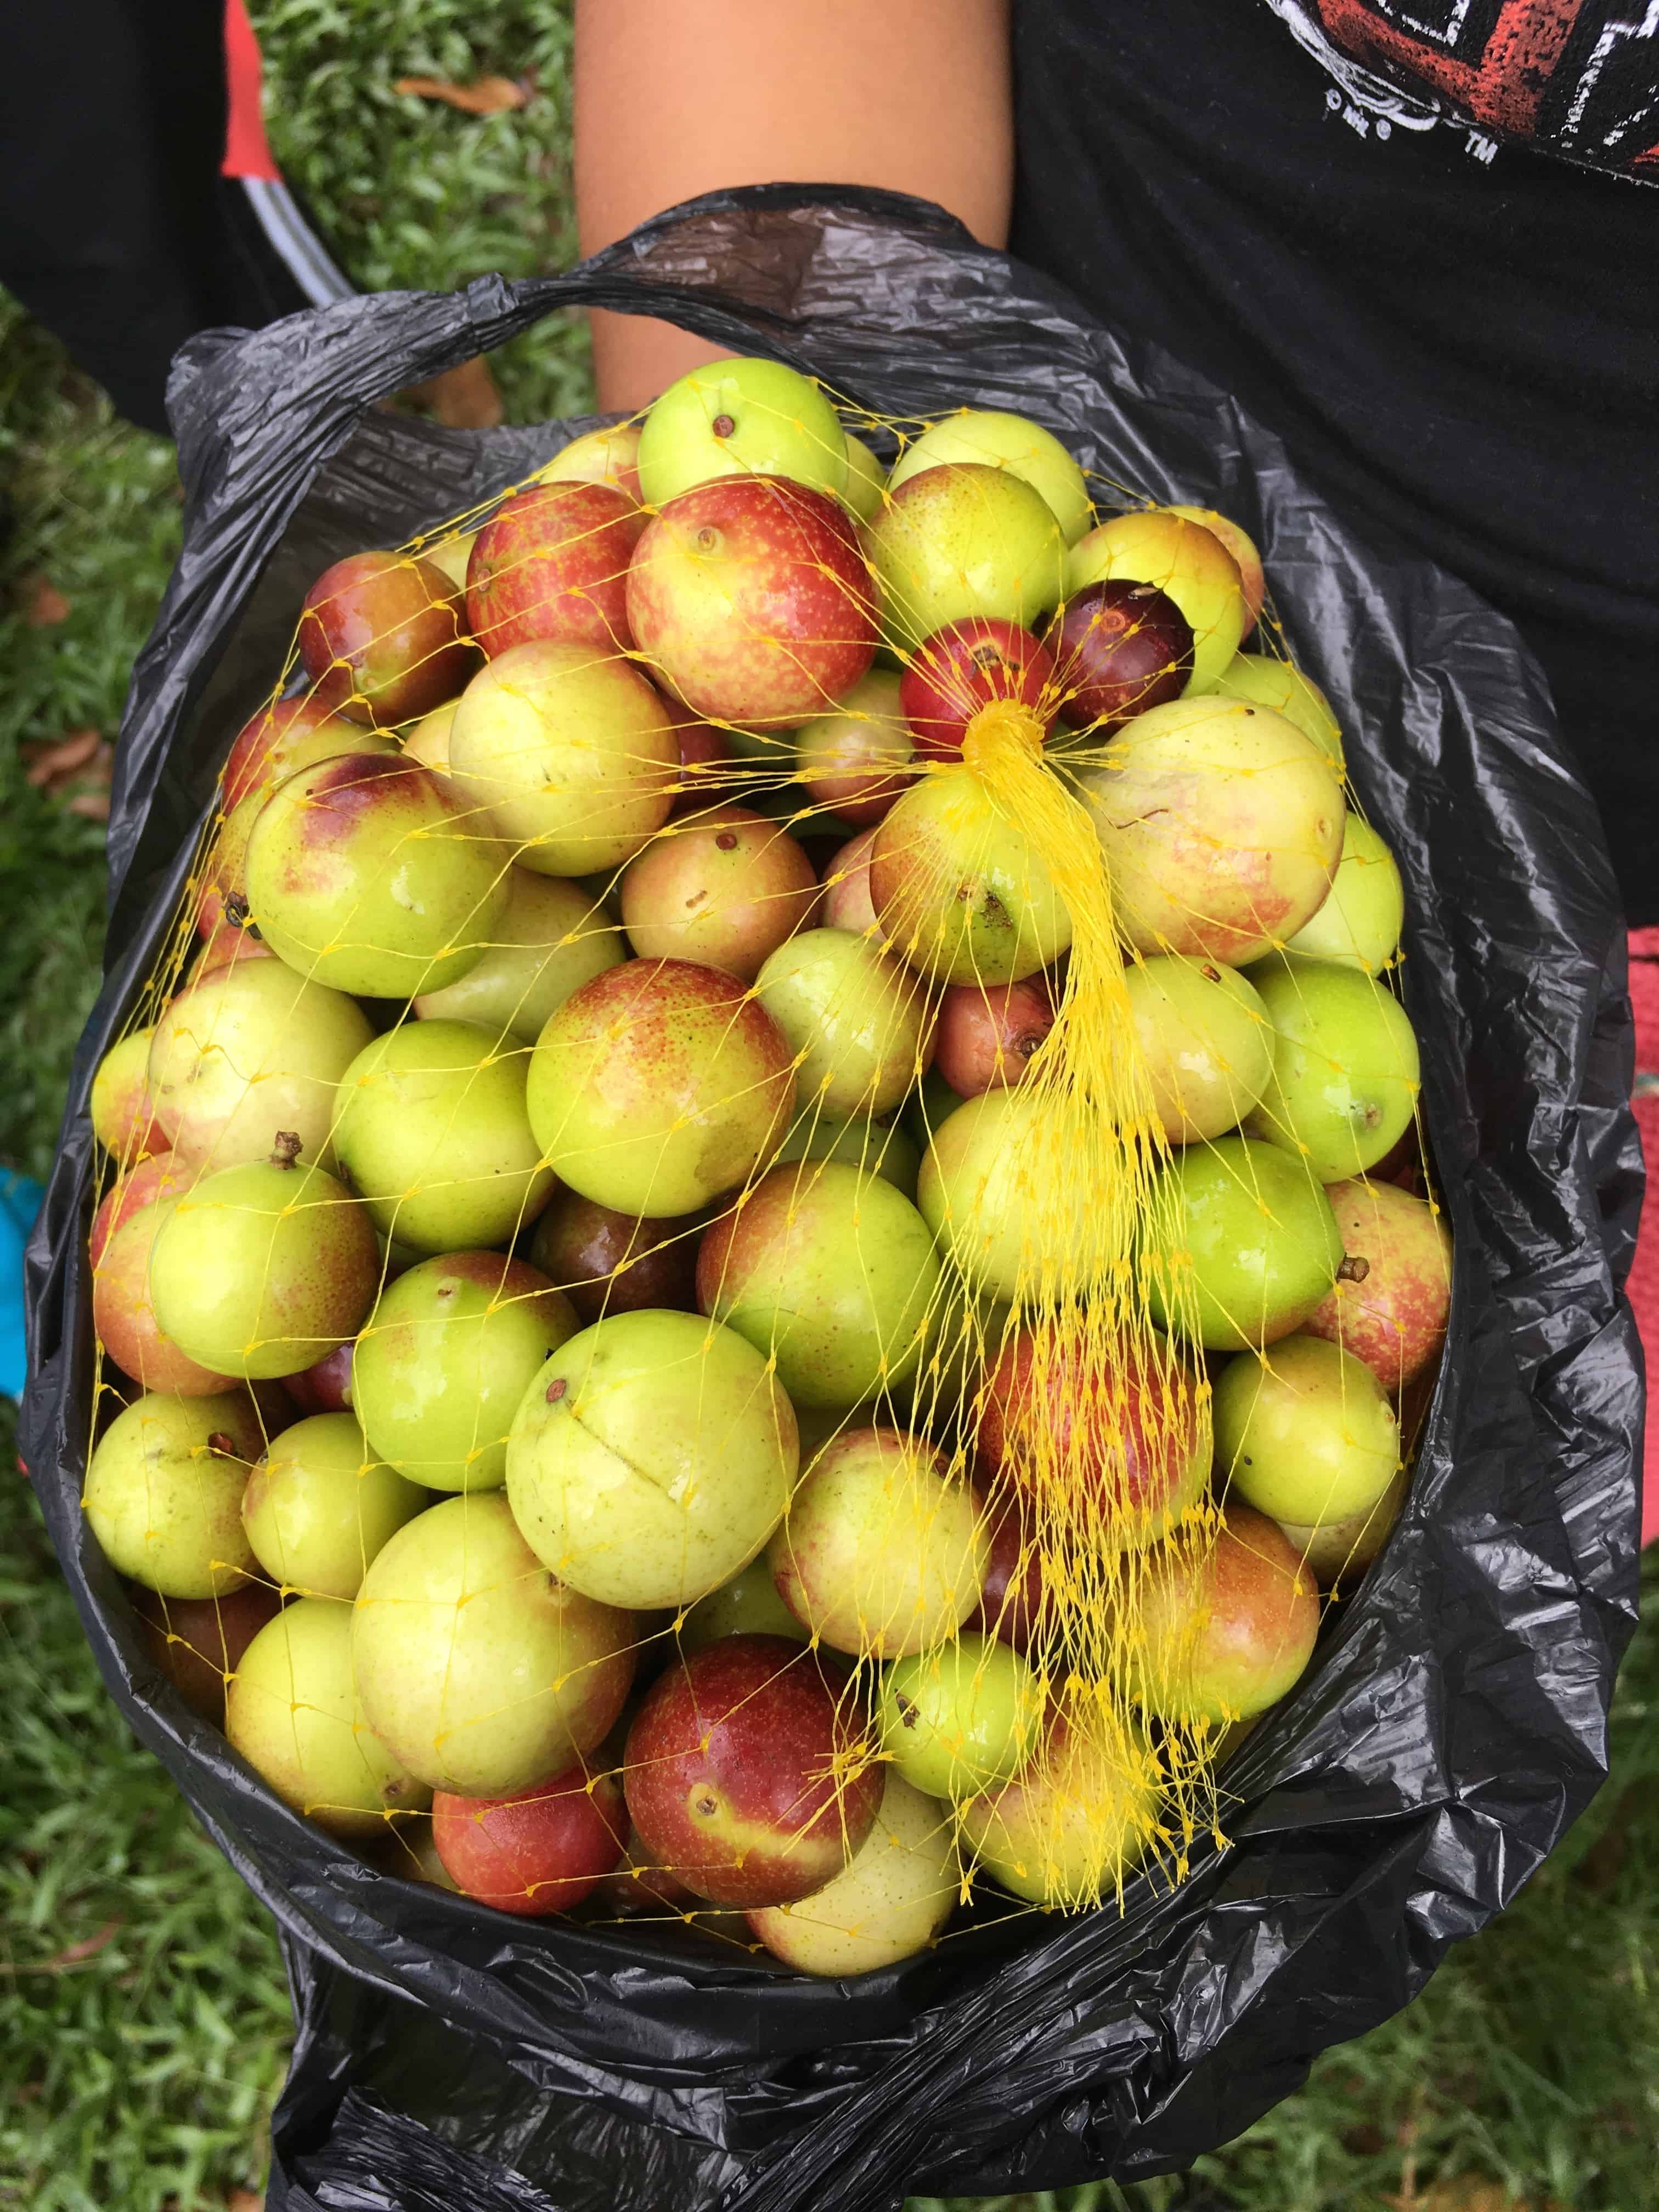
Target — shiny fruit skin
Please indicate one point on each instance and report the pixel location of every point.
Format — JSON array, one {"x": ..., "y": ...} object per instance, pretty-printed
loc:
[
  {"x": 389, "y": 622},
  {"x": 1221, "y": 825},
  {"x": 1049, "y": 1391},
  {"x": 996, "y": 1191},
  {"x": 538, "y": 1852},
  {"x": 1010, "y": 1603},
  {"x": 1359, "y": 924},
  {"x": 318, "y": 1506},
  {"x": 968, "y": 666},
  {"x": 432, "y": 1130},
  {"x": 1185, "y": 561},
  {"x": 962, "y": 1719},
  {"x": 121, "y": 1106},
  {"x": 260, "y": 1269},
  {"x": 1228, "y": 1636},
  {"x": 325, "y": 1386},
  {"x": 962, "y": 541},
  {"x": 892, "y": 1900},
  {"x": 855, "y": 759},
  {"x": 985, "y": 1037},
  {"x": 157, "y": 1178},
  {"x": 1119, "y": 648},
  {"x": 552, "y": 563},
  {"x": 725, "y": 887},
  {"x": 1346, "y": 1072},
  {"x": 444, "y": 1360},
  {"x": 292, "y": 1711},
  {"x": 750, "y": 598},
  {"x": 1262, "y": 680},
  {"x": 749, "y": 1605},
  {"x": 1261, "y": 1244},
  {"x": 651, "y": 1458},
  {"x": 569, "y": 755},
  {"x": 1304, "y": 1431},
  {"x": 858, "y": 1023},
  {"x": 550, "y": 940},
  {"x": 1207, "y": 1042},
  {"x": 1072, "y": 1826},
  {"x": 958, "y": 891},
  {"x": 660, "y": 1086},
  {"x": 883, "y": 1553},
  {"x": 284, "y": 735},
  {"x": 1393, "y": 1315},
  {"x": 1239, "y": 542},
  {"x": 742, "y": 1774},
  {"x": 481, "y": 1672},
  {"x": 829, "y": 1272},
  {"x": 607, "y": 457},
  {"x": 741, "y": 418},
  {"x": 608, "y": 1262},
  {"x": 988, "y": 437},
  {"x": 123, "y": 1313},
  {"x": 365, "y": 873},
  {"x": 245, "y": 1052},
  {"x": 846, "y": 903},
  {"x": 163, "y": 1492},
  {"x": 1338, "y": 1553}
]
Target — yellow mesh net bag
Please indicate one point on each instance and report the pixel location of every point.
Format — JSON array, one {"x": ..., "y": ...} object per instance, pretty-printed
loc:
[{"x": 765, "y": 1234}]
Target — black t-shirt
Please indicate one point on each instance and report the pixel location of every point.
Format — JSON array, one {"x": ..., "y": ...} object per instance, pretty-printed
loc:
[{"x": 1339, "y": 210}]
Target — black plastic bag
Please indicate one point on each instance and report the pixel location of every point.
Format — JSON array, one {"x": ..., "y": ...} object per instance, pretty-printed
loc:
[{"x": 1455, "y": 1721}]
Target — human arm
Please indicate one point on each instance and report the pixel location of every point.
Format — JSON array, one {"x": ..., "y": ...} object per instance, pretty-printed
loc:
[{"x": 673, "y": 99}]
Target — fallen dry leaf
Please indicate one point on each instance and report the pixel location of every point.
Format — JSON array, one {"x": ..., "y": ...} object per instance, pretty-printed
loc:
[
  {"x": 52, "y": 763},
  {"x": 464, "y": 397},
  {"x": 76, "y": 1954},
  {"x": 485, "y": 95},
  {"x": 91, "y": 806},
  {"x": 43, "y": 605}
]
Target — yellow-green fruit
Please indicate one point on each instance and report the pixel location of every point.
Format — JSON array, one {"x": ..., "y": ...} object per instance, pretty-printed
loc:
[
  {"x": 164, "y": 1492},
  {"x": 568, "y": 755},
  {"x": 292, "y": 1711},
  {"x": 742, "y": 417},
  {"x": 1024, "y": 448},
  {"x": 1207, "y": 1041},
  {"x": 1184, "y": 560},
  {"x": 1242, "y": 1241},
  {"x": 866, "y": 478},
  {"x": 119, "y": 1106},
  {"x": 432, "y": 1130},
  {"x": 427, "y": 741},
  {"x": 1345, "y": 1071},
  {"x": 551, "y": 939},
  {"x": 444, "y": 1360},
  {"x": 959, "y": 892},
  {"x": 963, "y": 1719},
  {"x": 318, "y": 1506},
  {"x": 891, "y": 1900},
  {"x": 1069, "y": 1831},
  {"x": 478, "y": 1670},
  {"x": 263, "y": 1269},
  {"x": 959, "y": 540},
  {"x": 251, "y": 1050},
  {"x": 1304, "y": 1432},
  {"x": 1005, "y": 1187},
  {"x": 858, "y": 1023},
  {"x": 749, "y": 1605},
  {"x": 1338, "y": 1554},
  {"x": 1221, "y": 826},
  {"x": 1280, "y": 685},
  {"x": 651, "y": 1459},
  {"x": 1359, "y": 924},
  {"x": 882, "y": 1552},
  {"x": 366, "y": 874}
]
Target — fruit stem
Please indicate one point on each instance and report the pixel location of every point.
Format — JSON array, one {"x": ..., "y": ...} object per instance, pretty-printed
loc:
[
  {"x": 1353, "y": 1270},
  {"x": 285, "y": 1152}
]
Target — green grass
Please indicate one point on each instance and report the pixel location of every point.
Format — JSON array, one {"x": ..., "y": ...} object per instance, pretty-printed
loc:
[{"x": 137, "y": 2072}]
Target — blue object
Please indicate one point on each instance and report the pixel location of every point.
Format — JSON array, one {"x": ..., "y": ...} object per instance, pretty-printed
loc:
[{"x": 20, "y": 1201}]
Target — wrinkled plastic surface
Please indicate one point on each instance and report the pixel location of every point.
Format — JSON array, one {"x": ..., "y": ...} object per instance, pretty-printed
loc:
[{"x": 1453, "y": 1723}]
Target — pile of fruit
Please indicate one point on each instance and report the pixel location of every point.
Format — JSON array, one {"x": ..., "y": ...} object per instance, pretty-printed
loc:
[{"x": 766, "y": 1233}]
